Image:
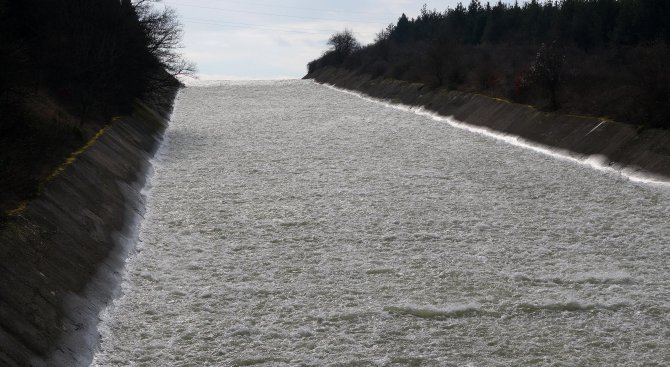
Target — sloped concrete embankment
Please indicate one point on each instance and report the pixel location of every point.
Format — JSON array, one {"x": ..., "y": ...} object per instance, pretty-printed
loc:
[
  {"x": 639, "y": 152},
  {"x": 61, "y": 256}
]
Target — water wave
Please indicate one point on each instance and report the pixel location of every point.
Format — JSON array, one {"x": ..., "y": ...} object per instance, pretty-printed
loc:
[
  {"x": 572, "y": 306},
  {"x": 432, "y": 312}
]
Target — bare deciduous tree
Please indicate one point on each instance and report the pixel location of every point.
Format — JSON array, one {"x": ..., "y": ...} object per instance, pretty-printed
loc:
[
  {"x": 343, "y": 43},
  {"x": 164, "y": 34}
]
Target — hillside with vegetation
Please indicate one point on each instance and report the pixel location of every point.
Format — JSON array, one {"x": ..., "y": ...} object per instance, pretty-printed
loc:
[
  {"x": 67, "y": 68},
  {"x": 604, "y": 58}
]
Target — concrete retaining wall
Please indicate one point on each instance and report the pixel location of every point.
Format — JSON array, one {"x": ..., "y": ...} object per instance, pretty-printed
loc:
[
  {"x": 61, "y": 256},
  {"x": 623, "y": 146}
]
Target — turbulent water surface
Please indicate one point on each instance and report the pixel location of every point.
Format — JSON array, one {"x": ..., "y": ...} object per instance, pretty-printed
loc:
[{"x": 290, "y": 224}]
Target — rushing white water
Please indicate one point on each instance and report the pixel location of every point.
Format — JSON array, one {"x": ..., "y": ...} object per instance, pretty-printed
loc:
[{"x": 290, "y": 224}]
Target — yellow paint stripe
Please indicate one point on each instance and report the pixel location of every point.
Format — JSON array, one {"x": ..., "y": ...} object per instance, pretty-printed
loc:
[
  {"x": 61, "y": 168},
  {"x": 19, "y": 209},
  {"x": 492, "y": 97},
  {"x": 73, "y": 157}
]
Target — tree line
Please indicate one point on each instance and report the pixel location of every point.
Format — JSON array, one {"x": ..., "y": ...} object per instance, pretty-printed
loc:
[
  {"x": 599, "y": 57},
  {"x": 66, "y": 68},
  {"x": 584, "y": 23},
  {"x": 94, "y": 55}
]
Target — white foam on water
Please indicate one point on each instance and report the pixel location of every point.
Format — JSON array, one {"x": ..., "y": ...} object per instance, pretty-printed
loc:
[
  {"x": 234, "y": 82},
  {"x": 434, "y": 312},
  {"x": 573, "y": 305},
  {"x": 290, "y": 224},
  {"x": 607, "y": 277},
  {"x": 592, "y": 277},
  {"x": 132, "y": 246}
]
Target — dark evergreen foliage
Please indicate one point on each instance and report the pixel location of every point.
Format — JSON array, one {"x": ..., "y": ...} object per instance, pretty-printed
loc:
[
  {"x": 68, "y": 67},
  {"x": 597, "y": 57},
  {"x": 586, "y": 23},
  {"x": 96, "y": 56}
]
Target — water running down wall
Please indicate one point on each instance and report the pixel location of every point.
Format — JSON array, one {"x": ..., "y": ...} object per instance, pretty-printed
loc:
[
  {"x": 61, "y": 256},
  {"x": 638, "y": 154}
]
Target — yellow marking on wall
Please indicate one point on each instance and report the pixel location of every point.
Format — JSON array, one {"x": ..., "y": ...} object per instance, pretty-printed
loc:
[
  {"x": 73, "y": 157},
  {"x": 61, "y": 168},
  {"x": 577, "y": 116},
  {"x": 19, "y": 209},
  {"x": 493, "y": 98}
]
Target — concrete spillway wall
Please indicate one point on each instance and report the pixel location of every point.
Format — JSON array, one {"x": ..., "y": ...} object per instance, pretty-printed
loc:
[
  {"x": 62, "y": 253},
  {"x": 639, "y": 152}
]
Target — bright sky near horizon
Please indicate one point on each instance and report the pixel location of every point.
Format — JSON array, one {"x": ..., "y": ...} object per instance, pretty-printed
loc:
[{"x": 264, "y": 39}]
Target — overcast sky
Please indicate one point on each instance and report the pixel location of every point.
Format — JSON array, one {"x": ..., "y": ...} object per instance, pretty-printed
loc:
[{"x": 264, "y": 39}]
